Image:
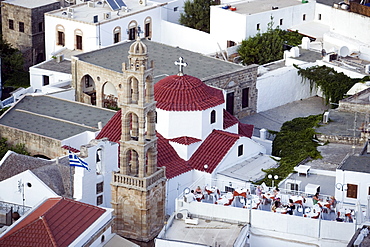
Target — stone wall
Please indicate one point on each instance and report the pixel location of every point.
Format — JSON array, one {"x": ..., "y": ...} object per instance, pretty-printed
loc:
[
  {"x": 35, "y": 144},
  {"x": 30, "y": 42},
  {"x": 235, "y": 82},
  {"x": 139, "y": 214}
]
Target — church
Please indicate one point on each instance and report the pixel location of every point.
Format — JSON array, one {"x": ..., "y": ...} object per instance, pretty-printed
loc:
[{"x": 170, "y": 134}]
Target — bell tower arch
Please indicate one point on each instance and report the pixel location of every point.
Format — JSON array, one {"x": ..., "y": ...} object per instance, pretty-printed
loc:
[{"x": 141, "y": 214}]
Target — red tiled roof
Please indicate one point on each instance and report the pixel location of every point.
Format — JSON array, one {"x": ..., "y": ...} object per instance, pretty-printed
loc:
[
  {"x": 185, "y": 140},
  {"x": 168, "y": 157},
  {"x": 213, "y": 150},
  {"x": 229, "y": 120},
  {"x": 56, "y": 222},
  {"x": 73, "y": 150},
  {"x": 243, "y": 129},
  {"x": 112, "y": 129},
  {"x": 186, "y": 93},
  {"x": 246, "y": 129}
]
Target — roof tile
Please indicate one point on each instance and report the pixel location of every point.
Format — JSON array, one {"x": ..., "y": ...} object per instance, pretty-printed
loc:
[
  {"x": 185, "y": 140},
  {"x": 56, "y": 222},
  {"x": 186, "y": 93}
]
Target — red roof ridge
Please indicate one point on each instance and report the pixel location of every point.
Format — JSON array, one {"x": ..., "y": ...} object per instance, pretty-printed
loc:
[
  {"x": 228, "y": 133},
  {"x": 185, "y": 140},
  {"x": 48, "y": 230}
]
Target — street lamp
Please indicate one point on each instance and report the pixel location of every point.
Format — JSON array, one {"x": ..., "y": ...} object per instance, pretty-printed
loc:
[
  {"x": 341, "y": 187},
  {"x": 276, "y": 177}
]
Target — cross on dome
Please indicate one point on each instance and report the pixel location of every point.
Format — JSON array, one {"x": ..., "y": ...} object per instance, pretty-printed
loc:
[
  {"x": 139, "y": 31},
  {"x": 181, "y": 64}
]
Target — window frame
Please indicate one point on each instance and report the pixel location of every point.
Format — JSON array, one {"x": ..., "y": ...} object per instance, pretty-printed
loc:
[
  {"x": 240, "y": 150},
  {"x": 99, "y": 188},
  {"x": 352, "y": 191},
  {"x": 11, "y": 24},
  {"x": 213, "y": 117},
  {"x": 21, "y": 26}
]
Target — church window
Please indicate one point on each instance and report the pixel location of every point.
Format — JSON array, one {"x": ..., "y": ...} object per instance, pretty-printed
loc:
[
  {"x": 132, "y": 30},
  {"x": 45, "y": 79},
  {"x": 60, "y": 35},
  {"x": 88, "y": 82},
  {"x": 245, "y": 98},
  {"x": 148, "y": 28},
  {"x": 99, "y": 200},
  {"x": 281, "y": 22},
  {"x": 319, "y": 17},
  {"x": 11, "y": 24},
  {"x": 240, "y": 150},
  {"x": 117, "y": 35},
  {"x": 352, "y": 191},
  {"x": 304, "y": 17},
  {"x": 21, "y": 27},
  {"x": 258, "y": 26},
  {"x": 99, "y": 188},
  {"x": 213, "y": 116},
  {"x": 78, "y": 39}
]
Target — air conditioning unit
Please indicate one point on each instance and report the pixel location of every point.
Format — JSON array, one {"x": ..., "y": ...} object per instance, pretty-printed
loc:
[
  {"x": 107, "y": 16},
  {"x": 182, "y": 214},
  {"x": 70, "y": 10},
  {"x": 91, "y": 4},
  {"x": 70, "y": 15}
]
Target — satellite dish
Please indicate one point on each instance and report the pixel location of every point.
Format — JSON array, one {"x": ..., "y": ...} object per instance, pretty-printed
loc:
[
  {"x": 323, "y": 52},
  {"x": 343, "y": 51}
]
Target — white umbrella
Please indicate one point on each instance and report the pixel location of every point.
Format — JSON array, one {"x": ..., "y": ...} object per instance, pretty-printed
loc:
[{"x": 359, "y": 214}]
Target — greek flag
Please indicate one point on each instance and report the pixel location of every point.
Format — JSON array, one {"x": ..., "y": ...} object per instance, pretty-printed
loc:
[{"x": 74, "y": 160}]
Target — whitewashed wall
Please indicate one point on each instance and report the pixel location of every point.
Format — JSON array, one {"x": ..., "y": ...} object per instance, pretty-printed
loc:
[
  {"x": 187, "y": 38},
  {"x": 36, "y": 77},
  {"x": 33, "y": 195},
  {"x": 250, "y": 149},
  {"x": 230, "y": 25},
  {"x": 78, "y": 140},
  {"x": 281, "y": 86},
  {"x": 99, "y": 35},
  {"x": 185, "y": 151},
  {"x": 195, "y": 124},
  {"x": 85, "y": 180},
  {"x": 362, "y": 180},
  {"x": 175, "y": 187}
]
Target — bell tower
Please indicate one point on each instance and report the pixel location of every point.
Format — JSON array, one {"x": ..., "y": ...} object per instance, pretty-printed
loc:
[{"x": 138, "y": 189}]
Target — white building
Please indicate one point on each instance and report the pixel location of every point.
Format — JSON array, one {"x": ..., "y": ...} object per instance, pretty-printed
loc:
[{"x": 95, "y": 24}]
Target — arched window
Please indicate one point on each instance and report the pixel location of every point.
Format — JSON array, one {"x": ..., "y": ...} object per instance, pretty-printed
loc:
[
  {"x": 60, "y": 36},
  {"x": 213, "y": 116},
  {"x": 132, "y": 26},
  {"x": 148, "y": 28},
  {"x": 78, "y": 39},
  {"x": 117, "y": 35}
]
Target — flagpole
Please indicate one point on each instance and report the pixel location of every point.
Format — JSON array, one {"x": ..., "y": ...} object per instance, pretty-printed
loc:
[{"x": 71, "y": 177}]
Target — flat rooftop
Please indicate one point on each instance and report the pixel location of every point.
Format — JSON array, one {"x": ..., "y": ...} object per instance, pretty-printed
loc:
[
  {"x": 164, "y": 56},
  {"x": 85, "y": 12},
  {"x": 207, "y": 232},
  {"x": 258, "y": 6},
  {"x": 251, "y": 169},
  {"x": 30, "y": 3},
  {"x": 52, "y": 65},
  {"x": 53, "y": 117}
]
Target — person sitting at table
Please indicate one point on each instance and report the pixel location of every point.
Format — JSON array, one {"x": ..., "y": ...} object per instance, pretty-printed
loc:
[
  {"x": 198, "y": 190},
  {"x": 276, "y": 193},
  {"x": 332, "y": 203},
  {"x": 316, "y": 199},
  {"x": 259, "y": 191},
  {"x": 290, "y": 207},
  {"x": 275, "y": 205}
]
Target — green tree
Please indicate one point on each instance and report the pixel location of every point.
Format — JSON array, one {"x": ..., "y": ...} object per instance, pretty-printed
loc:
[
  {"x": 267, "y": 47},
  {"x": 13, "y": 73},
  {"x": 197, "y": 14},
  {"x": 4, "y": 147}
]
